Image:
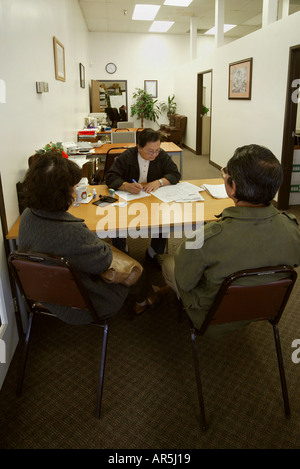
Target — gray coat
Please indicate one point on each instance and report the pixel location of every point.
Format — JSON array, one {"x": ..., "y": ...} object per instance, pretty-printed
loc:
[{"x": 63, "y": 234}]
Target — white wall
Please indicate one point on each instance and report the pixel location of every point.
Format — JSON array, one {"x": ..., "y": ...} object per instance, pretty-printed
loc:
[
  {"x": 237, "y": 122},
  {"x": 139, "y": 57},
  {"x": 29, "y": 120}
]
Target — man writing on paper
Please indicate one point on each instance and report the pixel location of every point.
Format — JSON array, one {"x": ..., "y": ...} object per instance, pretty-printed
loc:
[
  {"x": 151, "y": 168},
  {"x": 251, "y": 234}
]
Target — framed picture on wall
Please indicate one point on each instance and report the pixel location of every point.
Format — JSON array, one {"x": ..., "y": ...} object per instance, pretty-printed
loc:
[
  {"x": 82, "y": 75},
  {"x": 150, "y": 86},
  {"x": 59, "y": 60},
  {"x": 240, "y": 79}
]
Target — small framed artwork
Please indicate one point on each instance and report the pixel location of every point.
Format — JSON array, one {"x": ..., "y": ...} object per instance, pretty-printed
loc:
[
  {"x": 82, "y": 75},
  {"x": 240, "y": 79},
  {"x": 150, "y": 86},
  {"x": 59, "y": 60}
]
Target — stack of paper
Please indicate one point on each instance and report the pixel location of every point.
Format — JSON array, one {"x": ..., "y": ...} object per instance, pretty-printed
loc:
[
  {"x": 217, "y": 191},
  {"x": 128, "y": 196},
  {"x": 181, "y": 192}
]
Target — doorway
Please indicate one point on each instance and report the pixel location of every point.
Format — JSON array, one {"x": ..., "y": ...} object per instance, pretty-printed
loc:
[
  {"x": 290, "y": 139},
  {"x": 203, "y": 121}
]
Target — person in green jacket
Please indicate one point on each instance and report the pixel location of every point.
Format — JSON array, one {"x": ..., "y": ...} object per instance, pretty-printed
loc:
[{"x": 251, "y": 234}]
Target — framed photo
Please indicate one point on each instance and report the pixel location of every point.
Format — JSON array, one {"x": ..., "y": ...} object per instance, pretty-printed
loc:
[
  {"x": 240, "y": 79},
  {"x": 59, "y": 60},
  {"x": 82, "y": 75},
  {"x": 150, "y": 86}
]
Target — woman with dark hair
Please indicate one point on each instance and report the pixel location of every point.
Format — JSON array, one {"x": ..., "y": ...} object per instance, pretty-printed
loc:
[{"x": 47, "y": 227}]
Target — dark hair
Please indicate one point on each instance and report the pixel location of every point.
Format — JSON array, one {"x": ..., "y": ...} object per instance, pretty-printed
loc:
[
  {"x": 256, "y": 172},
  {"x": 147, "y": 135},
  {"x": 49, "y": 182}
]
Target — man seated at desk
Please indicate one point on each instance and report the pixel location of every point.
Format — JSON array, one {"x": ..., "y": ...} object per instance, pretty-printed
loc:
[
  {"x": 151, "y": 166},
  {"x": 249, "y": 235}
]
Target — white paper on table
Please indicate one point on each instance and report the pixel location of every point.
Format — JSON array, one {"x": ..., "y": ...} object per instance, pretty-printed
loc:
[
  {"x": 128, "y": 196},
  {"x": 80, "y": 160},
  {"x": 181, "y": 192},
  {"x": 217, "y": 191}
]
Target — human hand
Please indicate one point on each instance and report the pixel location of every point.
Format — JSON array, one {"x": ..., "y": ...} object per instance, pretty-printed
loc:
[
  {"x": 151, "y": 186},
  {"x": 133, "y": 187}
]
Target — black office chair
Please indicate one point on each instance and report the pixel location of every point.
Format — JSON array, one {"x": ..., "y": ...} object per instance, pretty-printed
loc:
[
  {"x": 235, "y": 302},
  {"x": 44, "y": 278}
]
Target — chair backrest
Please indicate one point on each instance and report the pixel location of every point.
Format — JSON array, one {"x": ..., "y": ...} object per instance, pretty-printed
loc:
[
  {"x": 45, "y": 278},
  {"x": 123, "y": 137},
  {"x": 113, "y": 114},
  {"x": 123, "y": 114},
  {"x": 110, "y": 158},
  {"x": 125, "y": 125},
  {"x": 252, "y": 295}
]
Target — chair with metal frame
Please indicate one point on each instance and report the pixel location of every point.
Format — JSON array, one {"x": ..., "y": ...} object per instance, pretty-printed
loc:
[
  {"x": 44, "y": 278},
  {"x": 123, "y": 137},
  {"x": 239, "y": 302},
  {"x": 110, "y": 158}
]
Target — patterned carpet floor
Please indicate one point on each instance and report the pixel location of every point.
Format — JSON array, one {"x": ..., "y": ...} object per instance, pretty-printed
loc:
[{"x": 150, "y": 399}]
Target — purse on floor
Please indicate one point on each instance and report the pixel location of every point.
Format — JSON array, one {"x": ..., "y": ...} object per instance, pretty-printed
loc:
[{"x": 123, "y": 269}]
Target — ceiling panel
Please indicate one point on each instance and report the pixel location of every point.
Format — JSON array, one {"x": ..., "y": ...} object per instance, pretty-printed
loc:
[{"x": 115, "y": 15}]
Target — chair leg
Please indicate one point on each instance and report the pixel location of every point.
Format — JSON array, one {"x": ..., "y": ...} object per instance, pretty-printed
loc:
[
  {"x": 102, "y": 368},
  {"x": 281, "y": 372},
  {"x": 24, "y": 355},
  {"x": 198, "y": 379}
]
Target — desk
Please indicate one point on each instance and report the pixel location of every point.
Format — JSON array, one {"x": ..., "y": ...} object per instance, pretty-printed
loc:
[
  {"x": 169, "y": 147},
  {"x": 123, "y": 219}
]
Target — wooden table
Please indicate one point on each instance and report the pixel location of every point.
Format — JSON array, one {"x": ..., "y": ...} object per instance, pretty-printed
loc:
[
  {"x": 120, "y": 219},
  {"x": 170, "y": 147}
]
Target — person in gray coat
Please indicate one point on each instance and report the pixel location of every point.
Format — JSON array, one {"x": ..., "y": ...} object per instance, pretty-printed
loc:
[{"x": 47, "y": 227}]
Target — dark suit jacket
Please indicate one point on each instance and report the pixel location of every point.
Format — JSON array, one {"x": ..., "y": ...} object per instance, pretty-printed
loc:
[{"x": 126, "y": 168}]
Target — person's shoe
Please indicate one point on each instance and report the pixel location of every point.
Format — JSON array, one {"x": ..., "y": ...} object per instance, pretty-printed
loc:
[
  {"x": 151, "y": 300},
  {"x": 156, "y": 260}
]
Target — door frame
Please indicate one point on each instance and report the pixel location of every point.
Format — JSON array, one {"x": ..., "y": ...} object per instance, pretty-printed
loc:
[
  {"x": 288, "y": 141},
  {"x": 199, "y": 110}
]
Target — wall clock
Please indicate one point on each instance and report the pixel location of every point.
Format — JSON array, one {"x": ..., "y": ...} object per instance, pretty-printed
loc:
[{"x": 110, "y": 68}]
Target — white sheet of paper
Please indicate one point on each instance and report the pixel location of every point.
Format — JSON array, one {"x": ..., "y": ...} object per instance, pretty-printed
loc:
[
  {"x": 128, "y": 196},
  {"x": 181, "y": 192},
  {"x": 80, "y": 160},
  {"x": 217, "y": 191}
]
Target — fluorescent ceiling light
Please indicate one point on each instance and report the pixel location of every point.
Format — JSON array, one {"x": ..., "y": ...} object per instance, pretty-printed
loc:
[
  {"x": 227, "y": 27},
  {"x": 145, "y": 12},
  {"x": 178, "y": 3},
  {"x": 160, "y": 26}
]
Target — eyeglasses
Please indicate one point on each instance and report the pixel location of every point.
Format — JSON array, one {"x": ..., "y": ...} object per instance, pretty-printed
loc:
[
  {"x": 152, "y": 152},
  {"x": 224, "y": 172}
]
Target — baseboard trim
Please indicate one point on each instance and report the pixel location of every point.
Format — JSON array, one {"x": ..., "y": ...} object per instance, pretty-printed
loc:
[{"x": 194, "y": 152}]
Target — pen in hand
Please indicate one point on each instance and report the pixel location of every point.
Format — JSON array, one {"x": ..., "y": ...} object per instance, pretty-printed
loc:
[{"x": 133, "y": 180}]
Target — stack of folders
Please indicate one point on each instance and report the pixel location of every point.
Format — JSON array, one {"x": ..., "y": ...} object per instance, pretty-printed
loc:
[{"x": 217, "y": 191}]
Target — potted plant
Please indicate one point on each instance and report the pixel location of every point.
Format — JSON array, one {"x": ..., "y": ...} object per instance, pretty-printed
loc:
[
  {"x": 57, "y": 147},
  {"x": 170, "y": 106},
  {"x": 204, "y": 110},
  {"x": 145, "y": 106}
]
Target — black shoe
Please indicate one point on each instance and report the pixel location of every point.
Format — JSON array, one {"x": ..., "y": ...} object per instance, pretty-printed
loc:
[{"x": 156, "y": 260}]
